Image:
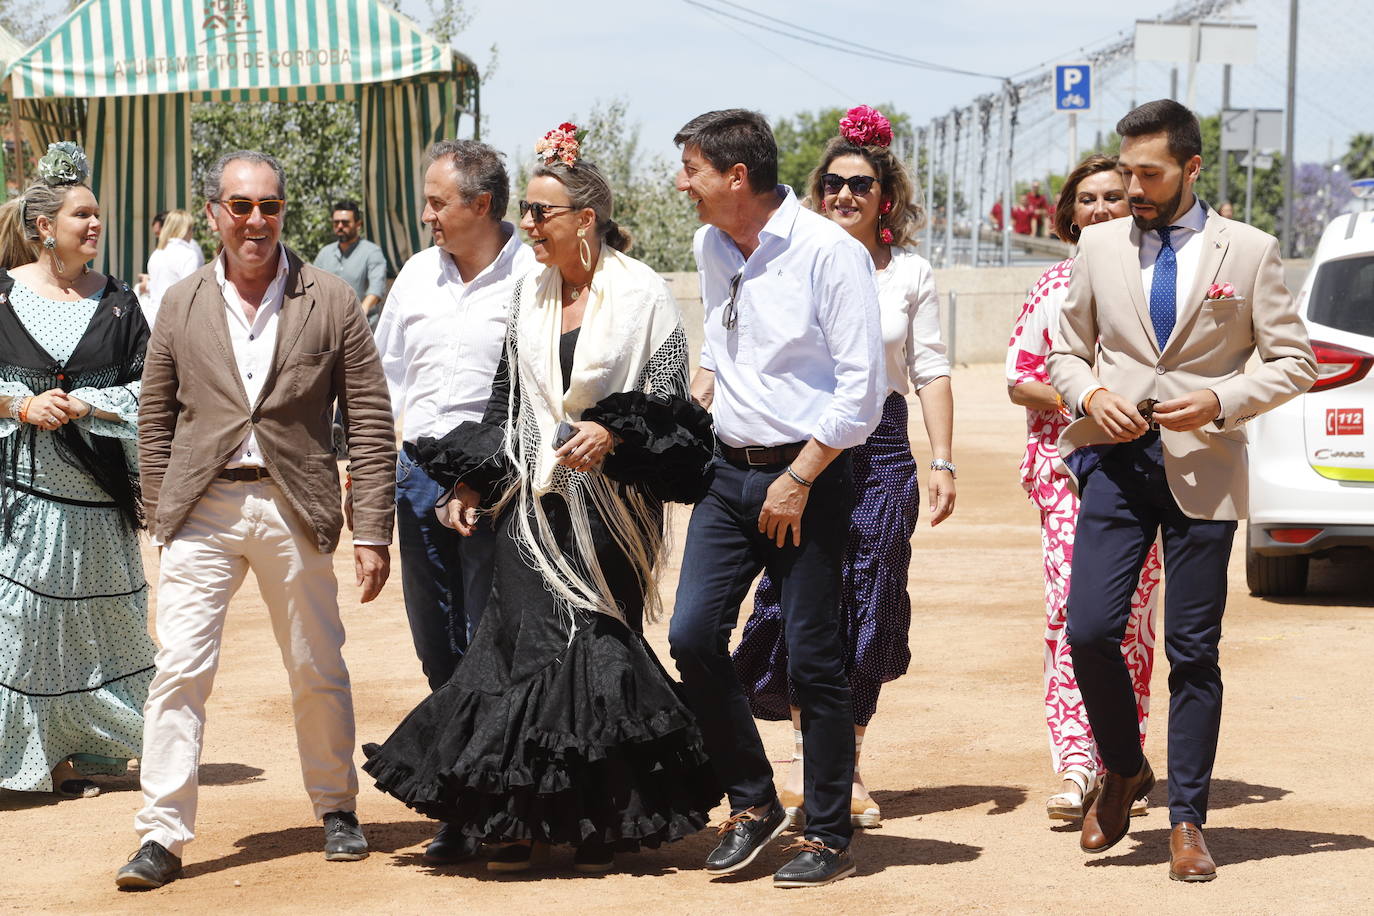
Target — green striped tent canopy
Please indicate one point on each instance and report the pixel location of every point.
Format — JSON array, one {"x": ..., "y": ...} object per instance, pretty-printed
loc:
[
  {"x": 131, "y": 68},
  {"x": 149, "y": 47}
]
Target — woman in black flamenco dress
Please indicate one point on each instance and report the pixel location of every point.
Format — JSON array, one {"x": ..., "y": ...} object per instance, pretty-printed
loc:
[{"x": 560, "y": 726}]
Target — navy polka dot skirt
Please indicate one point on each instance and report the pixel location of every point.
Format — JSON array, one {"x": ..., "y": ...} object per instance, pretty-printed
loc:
[{"x": 875, "y": 611}]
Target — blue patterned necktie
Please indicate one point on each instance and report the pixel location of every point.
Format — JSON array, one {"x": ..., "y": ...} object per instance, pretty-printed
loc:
[{"x": 1163, "y": 289}]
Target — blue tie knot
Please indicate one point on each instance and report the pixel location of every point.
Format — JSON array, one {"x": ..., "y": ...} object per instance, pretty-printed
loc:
[{"x": 1164, "y": 235}]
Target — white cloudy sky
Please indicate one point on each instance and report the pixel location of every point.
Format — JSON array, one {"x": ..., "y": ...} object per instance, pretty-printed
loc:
[{"x": 671, "y": 60}]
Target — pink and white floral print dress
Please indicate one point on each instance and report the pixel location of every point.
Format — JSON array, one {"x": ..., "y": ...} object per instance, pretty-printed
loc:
[{"x": 1045, "y": 481}]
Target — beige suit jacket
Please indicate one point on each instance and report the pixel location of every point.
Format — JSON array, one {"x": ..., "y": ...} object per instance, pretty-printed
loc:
[
  {"x": 194, "y": 411},
  {"x": 1105, "y": 337}
]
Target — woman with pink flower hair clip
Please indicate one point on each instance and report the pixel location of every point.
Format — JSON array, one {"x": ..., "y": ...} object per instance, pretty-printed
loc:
[
  {"x": 862, "y": 185},
  {"x": 560, "y": 727}
]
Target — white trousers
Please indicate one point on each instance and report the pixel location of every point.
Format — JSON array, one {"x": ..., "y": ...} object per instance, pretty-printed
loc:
[{"x": 237, "y": 526}]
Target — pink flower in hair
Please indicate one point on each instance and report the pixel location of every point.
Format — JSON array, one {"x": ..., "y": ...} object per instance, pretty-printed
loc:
[
  {"x": 563, "y": 143},
  {"x": 865, "y": 126}
]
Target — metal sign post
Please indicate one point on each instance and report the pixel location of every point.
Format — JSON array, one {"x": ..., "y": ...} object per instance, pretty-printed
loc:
[
  {"x": 1073, "y": 92},
  {"x": 1251, "y": 130}
]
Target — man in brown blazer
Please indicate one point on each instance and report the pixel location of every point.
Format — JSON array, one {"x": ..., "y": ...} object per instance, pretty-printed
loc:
[
  {"x": 1163, "y": 314},
  {"x": 239, "y": 473}
]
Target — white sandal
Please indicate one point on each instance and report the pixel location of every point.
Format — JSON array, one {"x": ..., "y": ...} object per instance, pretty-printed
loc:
[{"x": 1070, "y": 805}]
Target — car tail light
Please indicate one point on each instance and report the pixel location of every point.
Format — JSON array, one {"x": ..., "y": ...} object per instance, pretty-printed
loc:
[
  {"x": 1294, "y": 535},
  {"x": 1337, "y": 365}
]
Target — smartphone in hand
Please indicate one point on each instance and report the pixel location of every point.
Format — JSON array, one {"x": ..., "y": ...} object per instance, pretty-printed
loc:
[{"x": 563, "y": 435}]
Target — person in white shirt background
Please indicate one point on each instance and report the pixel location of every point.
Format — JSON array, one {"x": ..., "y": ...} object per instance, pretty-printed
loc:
[
  {"x": 866, "y": 190},
  {"x": 176, "y": 257},
  {"x": 440, "y": 337},
  {"x": 793, "y": 339}
]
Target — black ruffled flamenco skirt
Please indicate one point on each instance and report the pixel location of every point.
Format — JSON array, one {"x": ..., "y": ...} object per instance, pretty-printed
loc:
[{"x": 538, "y": 737}]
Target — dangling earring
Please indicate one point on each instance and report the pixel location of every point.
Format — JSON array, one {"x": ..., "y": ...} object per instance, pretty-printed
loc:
[
  {"x": 886, "y": 207},
  {"x": 584, "y": 249},
  {"x": 822, "y": 206},
  {"x": 50, "y": 244}
]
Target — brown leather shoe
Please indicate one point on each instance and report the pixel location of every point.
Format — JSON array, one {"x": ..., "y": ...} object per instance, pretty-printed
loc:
[
  {"x": 1110, "y": 815},
  {"x": 1189, "y": 859}
]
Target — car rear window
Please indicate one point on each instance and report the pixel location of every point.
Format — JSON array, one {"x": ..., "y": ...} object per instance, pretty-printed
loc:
[{"x": 1343, "y": 295}]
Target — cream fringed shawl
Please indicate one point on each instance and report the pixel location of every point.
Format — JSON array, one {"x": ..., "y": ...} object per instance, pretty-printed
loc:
[{"x": 631, "y": 340}]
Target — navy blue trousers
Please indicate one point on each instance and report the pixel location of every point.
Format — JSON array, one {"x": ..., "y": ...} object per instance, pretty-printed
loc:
[
  {"x": 1126, "y": 503},
  {"x": 723, "y": 555},
  {"x": 445, "y": 577}
]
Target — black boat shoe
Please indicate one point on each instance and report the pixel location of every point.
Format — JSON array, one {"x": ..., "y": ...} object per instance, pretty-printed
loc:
[
  {"x": 816, "y": 865},
  {"x": 742, "y": 836},
  {"x": 152, "y": 866}
]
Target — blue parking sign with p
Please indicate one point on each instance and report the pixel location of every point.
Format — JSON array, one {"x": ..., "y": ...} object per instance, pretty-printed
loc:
[{"x": 1073, "y": 87}]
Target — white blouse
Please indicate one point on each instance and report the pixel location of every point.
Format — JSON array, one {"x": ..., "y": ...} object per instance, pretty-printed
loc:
[
  {"x": 910, "y": 311},
  {"x": 167, "y": 267}
]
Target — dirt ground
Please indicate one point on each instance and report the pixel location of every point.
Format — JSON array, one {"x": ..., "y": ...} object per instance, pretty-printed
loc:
[{"x": 957, "y": 757}]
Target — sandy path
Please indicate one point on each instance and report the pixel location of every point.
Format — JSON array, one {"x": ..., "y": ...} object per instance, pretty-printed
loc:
[{"x": 957, "y": 758}]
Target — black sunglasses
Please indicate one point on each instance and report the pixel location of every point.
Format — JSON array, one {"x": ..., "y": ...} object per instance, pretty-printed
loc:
[
  {"x": 730, "y": 318},
  {"x": 1146, "y": 409},
  {"x": 541, "y": 211},
  {"x": 858, "y": 184},
  {"x": 243, "y": 206}
]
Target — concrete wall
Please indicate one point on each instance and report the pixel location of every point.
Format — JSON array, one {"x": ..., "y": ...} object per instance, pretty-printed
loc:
[{"x": 986, "y": 303}]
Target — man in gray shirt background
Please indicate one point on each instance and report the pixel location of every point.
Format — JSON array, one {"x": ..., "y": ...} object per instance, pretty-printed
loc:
[{"x": 358, "y": 262}]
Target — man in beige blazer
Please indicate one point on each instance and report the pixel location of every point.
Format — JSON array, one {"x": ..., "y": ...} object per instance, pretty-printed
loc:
[
  {"x": 1163, "y": 314},
  {"x": 239, "y": 473}
]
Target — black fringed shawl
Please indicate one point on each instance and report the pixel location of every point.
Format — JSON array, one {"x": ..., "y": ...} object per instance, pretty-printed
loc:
[{"x": 109, "y": 353}]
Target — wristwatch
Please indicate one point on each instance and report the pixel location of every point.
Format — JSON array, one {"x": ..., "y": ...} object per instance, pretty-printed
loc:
[{"x": 944, "y": 464}]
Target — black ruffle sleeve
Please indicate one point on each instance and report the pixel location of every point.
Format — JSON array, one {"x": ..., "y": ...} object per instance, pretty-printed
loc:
[
  {"x": 666, "y": 443},
  {"x": 472, "y": 453}
]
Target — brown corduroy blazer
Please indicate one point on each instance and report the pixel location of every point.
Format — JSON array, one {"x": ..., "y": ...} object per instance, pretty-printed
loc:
[{"x": 194, "y": 412}]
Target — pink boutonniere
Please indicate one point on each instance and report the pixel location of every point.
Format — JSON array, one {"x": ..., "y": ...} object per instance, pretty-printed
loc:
[{"x": 1220, "y": 291}]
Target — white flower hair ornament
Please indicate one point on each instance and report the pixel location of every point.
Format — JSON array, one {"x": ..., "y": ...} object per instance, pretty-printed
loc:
[{"x": 64, "y": 163}]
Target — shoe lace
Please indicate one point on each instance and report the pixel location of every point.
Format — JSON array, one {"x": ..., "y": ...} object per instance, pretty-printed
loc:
[
  {"x": 1190, "y": 835},
  {"x": 806, "y": 844},
  {"x": 735, "y": 820}
]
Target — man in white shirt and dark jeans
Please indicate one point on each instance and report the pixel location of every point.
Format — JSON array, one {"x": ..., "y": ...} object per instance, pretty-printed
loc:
[
  {"x": 440, "y": 338},
  {"x": 793, "y": 337}
]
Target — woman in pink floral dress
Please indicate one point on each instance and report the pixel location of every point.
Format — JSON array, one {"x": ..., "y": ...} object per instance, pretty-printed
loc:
[{"x": 1093, "y": 193}]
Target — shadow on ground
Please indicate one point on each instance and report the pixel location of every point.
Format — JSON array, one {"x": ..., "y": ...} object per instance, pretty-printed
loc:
[
  {"x": 934, "y": 799},
  {"x": 211, "y": 774},
  {"x": 1234, "y": 845},
  {"x": 280, "y": 844}
]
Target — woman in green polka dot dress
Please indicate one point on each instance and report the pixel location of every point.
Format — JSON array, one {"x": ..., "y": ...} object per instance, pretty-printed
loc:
[{"x": 75, "y": 655}]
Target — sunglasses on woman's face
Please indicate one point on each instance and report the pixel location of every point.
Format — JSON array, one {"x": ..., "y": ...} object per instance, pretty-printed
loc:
[
  {"x": 242, "y": 207},
  {"x": 858, "y": 184},
  {"x": 541, "y": 211}
]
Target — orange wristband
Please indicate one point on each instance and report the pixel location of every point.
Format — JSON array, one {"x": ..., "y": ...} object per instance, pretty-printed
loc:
[
  {"x": 1089, "y": 399},
  {"x": 24, "y": 410}
]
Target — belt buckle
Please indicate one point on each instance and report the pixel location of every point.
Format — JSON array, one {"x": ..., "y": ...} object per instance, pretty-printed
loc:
[{"x": 749, "y": 451}]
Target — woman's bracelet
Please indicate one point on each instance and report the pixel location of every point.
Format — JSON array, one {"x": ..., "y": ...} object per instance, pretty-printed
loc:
[
  {"x": 799, "y": 478},
  {"x": 23, "y": 412}
]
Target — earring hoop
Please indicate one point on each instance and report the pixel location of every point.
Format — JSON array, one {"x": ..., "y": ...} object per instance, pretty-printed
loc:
[{"x": 584, "y": 249}]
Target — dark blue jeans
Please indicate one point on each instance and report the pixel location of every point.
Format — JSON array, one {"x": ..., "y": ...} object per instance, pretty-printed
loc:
[
  {"x": 1126, "y": 503},
  {"x": 723, "y": 555},
  {"x": 445, "y": 577}
]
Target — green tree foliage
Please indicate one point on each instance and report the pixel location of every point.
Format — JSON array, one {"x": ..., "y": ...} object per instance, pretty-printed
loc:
[
  {"x": 318, "y": 145},
  {"x": 1358, "y": 161},
  {"x": 647, "y": 203}
]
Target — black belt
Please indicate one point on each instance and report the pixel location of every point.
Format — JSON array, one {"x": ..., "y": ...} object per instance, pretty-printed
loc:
[
  {"x": 244, "y": 474},
  {"x": 760, "y": 456}
]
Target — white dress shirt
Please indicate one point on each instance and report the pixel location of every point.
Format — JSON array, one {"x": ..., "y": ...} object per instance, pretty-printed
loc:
[
  {"x": 440, "y": 338},
  {"x": 168, "y": 266},
  {"x": 805, "y": 359},
  {"x": 911, "y": 322},
  {"x": 255, "y": 346}
]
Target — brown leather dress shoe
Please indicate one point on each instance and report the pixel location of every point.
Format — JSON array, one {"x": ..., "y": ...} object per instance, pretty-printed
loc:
[
  {"x": 1110, "y": 815},
  {"x": 1189, "y": 859}
]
